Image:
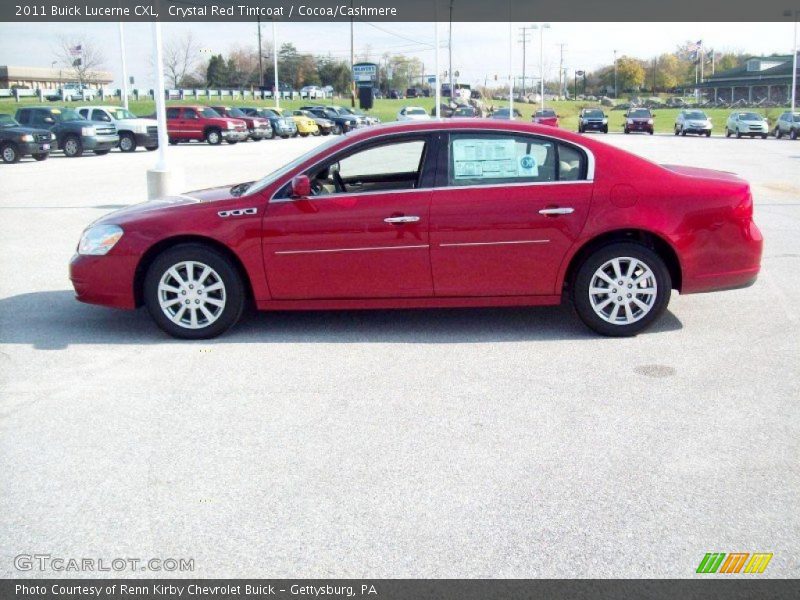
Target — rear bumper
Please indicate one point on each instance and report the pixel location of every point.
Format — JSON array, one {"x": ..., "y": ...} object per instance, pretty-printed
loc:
[
  {"x": 104, "y": 280},
  {"x": 741, "y": 257}
]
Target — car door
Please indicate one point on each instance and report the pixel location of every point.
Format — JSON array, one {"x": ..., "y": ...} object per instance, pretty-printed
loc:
[
  {"x": 368, "y": 239},
  {"x": 190, "y": 124},
  {"x": 508, "y": 208}
]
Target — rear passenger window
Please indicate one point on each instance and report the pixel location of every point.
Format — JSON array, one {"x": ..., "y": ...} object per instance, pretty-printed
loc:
[
  {"x": 189, "y": 113},
  {"x": 497, "y": 159},
  {"x": 172, "y": 113}
]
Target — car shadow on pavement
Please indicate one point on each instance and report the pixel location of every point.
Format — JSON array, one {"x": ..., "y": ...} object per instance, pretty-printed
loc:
[{"x": 54, "y": 320}]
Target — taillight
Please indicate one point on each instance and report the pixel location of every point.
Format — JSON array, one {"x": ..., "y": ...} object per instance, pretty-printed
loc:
[{"x": 744, "y": 210}]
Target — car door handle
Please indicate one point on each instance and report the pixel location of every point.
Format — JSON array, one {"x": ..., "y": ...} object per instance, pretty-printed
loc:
[
  {"x": 567, "y": 210},
  {"x": 402, "y": 219}
]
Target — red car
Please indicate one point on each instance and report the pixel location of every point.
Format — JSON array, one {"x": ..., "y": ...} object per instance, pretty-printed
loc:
[
  {"x": 203, "y": 123},
  {"x": 258, "y": 128},
  {"x": 546, "y": 116},
  {"x": 431, "y": 214}
]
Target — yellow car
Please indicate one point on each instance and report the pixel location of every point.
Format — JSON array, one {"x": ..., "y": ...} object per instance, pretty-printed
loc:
[{"x": 305, "y": 126}]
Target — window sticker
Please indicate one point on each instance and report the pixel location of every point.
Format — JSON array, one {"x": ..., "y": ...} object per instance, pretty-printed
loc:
[
  {"x": 528, "y": 167},
  {"x": 484, "y": 158}
]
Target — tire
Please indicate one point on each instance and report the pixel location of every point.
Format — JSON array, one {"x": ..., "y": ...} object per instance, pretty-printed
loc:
[
  {"x": 708, "y": 133},
  {"x": 676, "y": 130},
  {"x": 727, "y": 132},
  {"x": 41, "y": 156},
  {"x": 73, "y": 147},
  {"x": 326, "y": 132},
  {"x": 127, "y": 143},
  {"x": 793, "y": 134},
  {"x": 255, "y": 139},
  {"x": 172, "y": 142},
  {"x": 627, "y": 131},
  {"x": 637, "y": 316},
  {"x": 304, "y": 134},
  {"x": 178, "y": 322},
  {"x": 285, "y": 137},
  {"x": 151, "y": 148},
  {"x": 605, "y": 129},
  {"x": 337, "y": 130},
  {"x": 214, "y": 137},
  {"x": 652, "y": 131},
  {"x": 738, "y": 134},
  {"x": 101, "y": 152},
  {"x": 683, "y": 132},
  {"x": 10, "y": 153},
  {"x": 233, "y": 142},
  {"x": 778, "y": 133},
  {"x": 764, "y": 136}
]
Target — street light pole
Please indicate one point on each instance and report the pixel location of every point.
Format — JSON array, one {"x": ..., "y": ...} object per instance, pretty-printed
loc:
[
  {"x": 615, "y": 74},
  {"x": 275, "y": 64},
  {"x": 541, "y": 59},
  {"x": 794, "y": 62},
  {"x": 124, "y": 68},
  {"x": 438, "y": 93},
  {"x": 510, "y": 68},
  {"x": 260, "y": 57}
]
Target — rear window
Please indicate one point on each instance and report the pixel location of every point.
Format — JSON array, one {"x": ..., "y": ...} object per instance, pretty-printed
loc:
[
  {"x": 545, "y": 113},
  {"x": 496, "y": 159},
  {"x": 639, "y": 113}
]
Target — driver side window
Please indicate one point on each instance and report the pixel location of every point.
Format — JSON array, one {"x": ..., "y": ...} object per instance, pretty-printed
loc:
[{"x": 386, "y": 167}]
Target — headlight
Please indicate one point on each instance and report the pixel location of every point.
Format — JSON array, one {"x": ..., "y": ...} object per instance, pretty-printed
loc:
[
  {"x": 605, "y": 121},
  {"x": 649, "y": 121},
  {"x": 52, "y": 136},
  {"x": 230, "y": 125},
  {"x": 630, "y": 121},
  {"x": 98, "y": 240},
  {"x": 140, "y": 128},
  {"x": 88, "y": 131},
  {"x": 27, "y": 137}
]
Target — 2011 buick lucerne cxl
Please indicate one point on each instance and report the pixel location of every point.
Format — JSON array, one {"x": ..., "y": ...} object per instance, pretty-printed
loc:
[{"x": 431, "y": 214}]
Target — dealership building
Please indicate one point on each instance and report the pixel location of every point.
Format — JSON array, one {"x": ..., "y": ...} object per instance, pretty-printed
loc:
[
  {"x": 761, "y": 78},
  {"x": 47, "y": 78}
]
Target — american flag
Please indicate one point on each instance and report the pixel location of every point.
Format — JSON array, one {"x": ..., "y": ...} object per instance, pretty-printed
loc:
[
  {"x": 694, "y": 48},
  {"x": 76, "y": 50}
]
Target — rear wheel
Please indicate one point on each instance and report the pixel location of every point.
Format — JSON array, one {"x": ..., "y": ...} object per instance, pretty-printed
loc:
[
  {"x": 620, "y": 289},
  {"x": 193, "y": 292},
  {"x": 10, "y": 153},
  {"x": 127, "y": 143}
]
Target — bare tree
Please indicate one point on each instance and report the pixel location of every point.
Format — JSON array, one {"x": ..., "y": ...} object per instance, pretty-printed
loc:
[
  {"x": 81, "y": 58},
  {"x": 181, "y": 58}
]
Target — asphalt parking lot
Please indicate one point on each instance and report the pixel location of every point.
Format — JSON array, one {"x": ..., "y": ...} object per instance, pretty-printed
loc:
[{"x": 445, "y": 443}]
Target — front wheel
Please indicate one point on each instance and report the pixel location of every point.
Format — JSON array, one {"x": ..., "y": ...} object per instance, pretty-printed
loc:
[
  {"x": 194, "y": 292},
  {"x": 793, "y": 135},
  {"x": 708, "y": 133},
  {"x": 10, "y": 153},
  {"x": 778, "y": 133},
  {"x": 727, "y": 132},
  {"x": 738, "y": 134},
  {"x": 763, "y": 136},
  {"x": 73, "y": 147},
  {"x": 214, "y": 137},
  {"x": 127, "y": 143},
  {"x": 40, "y": 156},
  {"x": 620, "y": 289}
]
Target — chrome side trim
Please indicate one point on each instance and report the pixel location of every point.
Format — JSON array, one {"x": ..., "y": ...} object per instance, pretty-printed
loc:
[
  {"x": 590, "y": 162},
  {"x": 367, "y": 249},
  {"x": 494, "y": 243}
]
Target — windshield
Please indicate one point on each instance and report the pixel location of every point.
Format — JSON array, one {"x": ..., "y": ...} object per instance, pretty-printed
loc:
[
  {"x": 416, "y": 111},
  {"x": 280, "y": 172},
  {"x": 66, "y": 114},
  {"x": 121, "y": 113},
  {"x": 750, "y": 117},
  {"x": 7, "y": 121},
  {"x": 236, "y": 112},
  {"x": 696, "y": 114},
  {"x": 265, "y": 112},
  {"x": 209, "y": 113},
  {"x": 639, "y": 113},
  {"x": 594, "y": 114}
]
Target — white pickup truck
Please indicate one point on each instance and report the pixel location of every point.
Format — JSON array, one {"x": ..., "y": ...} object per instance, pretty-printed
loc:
[{"x": 133, "y": 131}]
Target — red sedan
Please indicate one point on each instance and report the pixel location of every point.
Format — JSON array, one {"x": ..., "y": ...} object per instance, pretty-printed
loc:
[
  {"x": 546, "y": 116},
  {"x": 431, "y": 214}
]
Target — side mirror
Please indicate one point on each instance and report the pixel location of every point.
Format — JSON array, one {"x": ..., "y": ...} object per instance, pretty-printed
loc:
[{"x": 301, "y": 186}]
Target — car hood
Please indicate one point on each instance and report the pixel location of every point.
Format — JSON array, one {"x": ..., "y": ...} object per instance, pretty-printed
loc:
[
  {"x": 23, "y": 129},
  {"x": 186, "y": 201}
]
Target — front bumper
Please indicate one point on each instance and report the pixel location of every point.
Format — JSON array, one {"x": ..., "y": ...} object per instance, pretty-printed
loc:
[
  {"x": 100, "y": 142},
  {"x": 639, "y": 126},
  {"x": 260, "y": 133},
  {"x": 105, "y": 280},
  {"x": 594, "y": 125},
  {"x": 237, "y": 135},
  {"x": 146, "y": 140},
  {"x": 28, "y": 148}
]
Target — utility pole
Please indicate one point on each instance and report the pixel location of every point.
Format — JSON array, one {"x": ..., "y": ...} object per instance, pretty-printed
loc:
[
  {"x": 124, "y": 67},
  {"x": 352, "y": 62},
  {"x": 561, "y": 69},
  {"x": 524, "y": 40},
  {"x": 796, "y": 15},
  {"x": 615, "y": 74},
  {"x": 655, "y": 66},
  {"x": 510, "y": 67},
  {"x": 277, "y": 93},
  {"x": 260, "y": 58},
  {"x": 450, "y": 53},
  {"x": 541, "y": 29}
]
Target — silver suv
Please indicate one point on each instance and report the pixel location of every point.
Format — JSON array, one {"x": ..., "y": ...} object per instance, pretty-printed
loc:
[
  {"x": 788, "y": 124},
  {"x": 693, "y": 121},
  {"x": 746, "y": 123}
]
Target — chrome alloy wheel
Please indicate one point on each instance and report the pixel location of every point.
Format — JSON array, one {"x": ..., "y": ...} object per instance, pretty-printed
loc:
[
  {"x": 9, "y": 154},
  {"x": 191, "y": 294},
  {"x": 623, "y": 290},
  {"x": 71, "y": 147}
]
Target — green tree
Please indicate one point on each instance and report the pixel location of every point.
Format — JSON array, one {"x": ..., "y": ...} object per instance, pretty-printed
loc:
[{"x": 217, "y": 72}]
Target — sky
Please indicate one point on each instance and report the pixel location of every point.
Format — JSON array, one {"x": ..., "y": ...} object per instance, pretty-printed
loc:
[{"x": 480, "y": 50}]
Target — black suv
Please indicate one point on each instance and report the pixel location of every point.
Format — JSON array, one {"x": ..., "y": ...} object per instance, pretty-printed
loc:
[
  {"x": 74, "y": 134},
  {"x": 17, "y": 141},
  {"x": 592, "y": 119},
  {"x": 342, "y": 123}
]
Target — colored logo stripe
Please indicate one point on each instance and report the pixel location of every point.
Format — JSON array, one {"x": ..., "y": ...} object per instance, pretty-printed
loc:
[
  {"x": 734, "y": 562},
  {"x": 758, "y": 562},
  {"x": 711, "y": 562}
]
